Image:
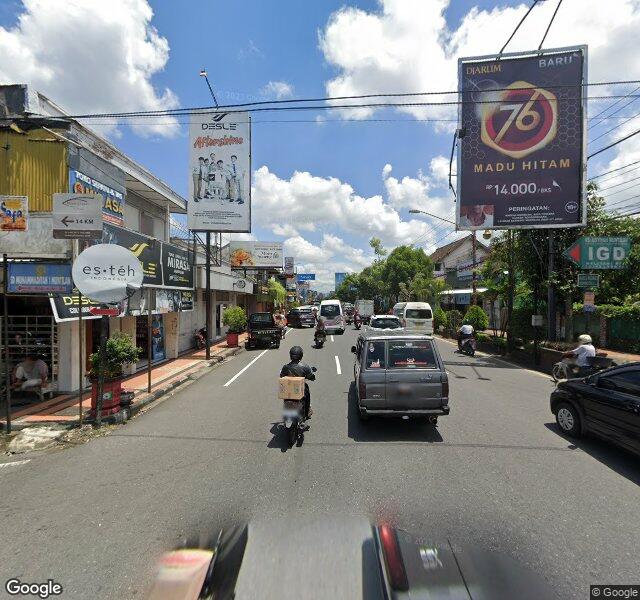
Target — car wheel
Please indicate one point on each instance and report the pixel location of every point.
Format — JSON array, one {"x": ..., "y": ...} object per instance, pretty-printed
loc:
[{"x": 568, "y": 419}]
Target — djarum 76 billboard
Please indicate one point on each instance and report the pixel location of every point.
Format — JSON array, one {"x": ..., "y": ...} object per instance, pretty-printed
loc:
[{"x": 521, "y": 155}]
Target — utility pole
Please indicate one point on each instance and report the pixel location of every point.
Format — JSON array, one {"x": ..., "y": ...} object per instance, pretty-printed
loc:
[
  {"x": 551, "y": 297},
  {"x": 511, "y": 292},
  {"x": 208, "y": 294},
  {"x": 474, "y": 281}
]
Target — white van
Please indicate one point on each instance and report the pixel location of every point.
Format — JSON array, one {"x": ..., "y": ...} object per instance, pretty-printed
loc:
[
  {"x": 415, "y": 316},
  {"x": 331, "y": 312}
]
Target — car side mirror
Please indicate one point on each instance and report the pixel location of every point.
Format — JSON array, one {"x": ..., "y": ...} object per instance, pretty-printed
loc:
[{"x": 353, "y": 349}]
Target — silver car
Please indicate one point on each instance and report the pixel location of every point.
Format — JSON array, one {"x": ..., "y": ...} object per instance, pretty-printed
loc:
[{"x": 400, "y": 375}]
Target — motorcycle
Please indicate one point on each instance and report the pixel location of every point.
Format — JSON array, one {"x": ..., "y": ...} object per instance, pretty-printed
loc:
[
  {"x": 320, "y": 337},
  {"x": 199, "y": 338},
  {"x": 294, "y": 415},
  {"x": 567, "y": 369},
  {"x": 468, "y": 346},
  {"x": 357, "y": 321}
]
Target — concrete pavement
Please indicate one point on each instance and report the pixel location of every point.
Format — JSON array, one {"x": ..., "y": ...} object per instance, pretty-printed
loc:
[{"x": 494, "y": 473}]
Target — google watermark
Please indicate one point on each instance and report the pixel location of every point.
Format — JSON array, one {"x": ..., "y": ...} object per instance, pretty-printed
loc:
[
  {"x": 614, "y": 591},
  {"x": 15, "y": 587}
]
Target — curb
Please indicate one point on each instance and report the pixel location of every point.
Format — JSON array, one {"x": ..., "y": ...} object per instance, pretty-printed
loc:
[{"x": 144, "y": 400}]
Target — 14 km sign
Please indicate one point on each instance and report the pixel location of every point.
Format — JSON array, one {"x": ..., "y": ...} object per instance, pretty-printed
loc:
[{"x": 599, "y": 252}]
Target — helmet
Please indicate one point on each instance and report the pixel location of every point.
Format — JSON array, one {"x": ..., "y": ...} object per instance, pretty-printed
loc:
[
  {"x": 584, "y": 339},
  {"x": 296, "y": 353}
]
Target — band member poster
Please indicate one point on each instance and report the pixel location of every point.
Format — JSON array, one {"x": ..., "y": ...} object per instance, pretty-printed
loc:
[
  {"x": 522, "y": 144},
  {"x": 220, "y": 172}
]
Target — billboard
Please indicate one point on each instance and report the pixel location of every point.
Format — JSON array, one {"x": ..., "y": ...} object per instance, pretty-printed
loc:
[
  {"x": 339, "y": 278},
  {"x": 220, "y": 172},
  {"x": 288, "y": 265},
  {"x": 306, "y": 277},
  {"x": 263, "y": 255},
  {"x": 521, "y": 156},
  {"x": 112, "y": 200}
]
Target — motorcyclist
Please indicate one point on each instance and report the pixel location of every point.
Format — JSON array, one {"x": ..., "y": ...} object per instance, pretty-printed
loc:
[
  {"x": 320, "y": 328},
  {"x": 583, "y": 352},
  {"x": 357, "y": 319},
  {"x": 465, "y": 332},
  {"x": 296, "y": 368}
]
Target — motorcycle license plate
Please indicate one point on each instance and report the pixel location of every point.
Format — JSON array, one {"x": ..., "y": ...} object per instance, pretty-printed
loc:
[{"x": 290, "y": 414}]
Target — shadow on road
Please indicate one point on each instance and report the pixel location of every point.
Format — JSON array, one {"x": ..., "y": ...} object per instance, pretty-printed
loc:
[
  {"x": 378, "y": 429},
  {"x": 480, "y": 362},
  {"x": 619, "y": 460},
  {"x": 279, "y": 439}
]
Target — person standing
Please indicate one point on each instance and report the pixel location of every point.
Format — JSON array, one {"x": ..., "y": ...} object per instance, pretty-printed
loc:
[{"x": 235, "y": 178}]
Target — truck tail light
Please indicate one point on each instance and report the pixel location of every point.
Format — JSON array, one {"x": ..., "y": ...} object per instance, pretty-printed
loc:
[
  {"x": 362, "y": 390},
  {"x": 445, "y": 388},
  {"x": 393, "y": 558}
]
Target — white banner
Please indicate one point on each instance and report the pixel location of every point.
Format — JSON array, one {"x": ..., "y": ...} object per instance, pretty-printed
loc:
[
  {"x": 255, "y": 254},
  {"x": 220, "y": 172}
]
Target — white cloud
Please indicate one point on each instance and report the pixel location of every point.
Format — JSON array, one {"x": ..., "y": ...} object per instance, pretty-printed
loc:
[
  {"x": 90, "y": 56},
  {"x": 386, "y": 170},
  {"x": 439, "y": 166},
  {"x": 278, "y": 90}
]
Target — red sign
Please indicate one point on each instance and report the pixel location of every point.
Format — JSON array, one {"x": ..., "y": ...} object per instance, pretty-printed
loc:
[{"x": 104, "y": 312}]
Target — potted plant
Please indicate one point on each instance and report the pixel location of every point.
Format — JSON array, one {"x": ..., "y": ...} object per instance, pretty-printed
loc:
[
  {"x": 235, "y": 318},
  {"x": 120, "y": 350}
]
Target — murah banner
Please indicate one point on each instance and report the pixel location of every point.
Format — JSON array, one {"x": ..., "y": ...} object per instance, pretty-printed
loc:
[
  {"x": 521, "y": 156},
  {"x": 261, "y": 255},
  {"x": 220, "y": 172}
]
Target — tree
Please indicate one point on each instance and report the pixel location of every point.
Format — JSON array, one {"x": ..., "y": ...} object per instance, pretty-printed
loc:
[
  {"x": 347, "y": 291},
  {"x": 439, "y": 318},
  {"x": 378, "y": 249},
  {"x": 277, "y": 293},
  {"x": 402, "y": 265},
  {"x": 476, "y": 317}
]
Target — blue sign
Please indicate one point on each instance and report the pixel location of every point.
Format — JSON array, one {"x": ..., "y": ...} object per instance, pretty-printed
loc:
[
  {"x": 39, "y": 278},
  {"x": 306, "y": 276},
  {"x": 113, "y": 200}
]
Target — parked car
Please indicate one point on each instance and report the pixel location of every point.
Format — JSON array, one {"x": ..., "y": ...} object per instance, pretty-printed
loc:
[
  {"x": 331, "y": 312},
  {"x": 301, "y": 317},
  {"x": 606, "y": 404},
  {"x": 263, "y": 330},
  {"x": 384, "y": 323},
  {"x": 400, "y": 375}
]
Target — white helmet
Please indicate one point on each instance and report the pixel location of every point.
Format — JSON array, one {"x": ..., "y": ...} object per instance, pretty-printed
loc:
[{"x": 584, "y": 339}]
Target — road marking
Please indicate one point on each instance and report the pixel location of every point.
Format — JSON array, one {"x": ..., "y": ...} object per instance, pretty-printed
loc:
[
  {"x": 332, "y": 339},
  {"x": 241, "y": 371},
  {"x": 15, "y": 463},
  {"x": 338, "y": 366}
]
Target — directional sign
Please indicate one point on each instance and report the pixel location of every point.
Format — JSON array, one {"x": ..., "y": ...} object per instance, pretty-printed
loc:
[
  {"x": 306, "y": 276},
  {"x": 99, "y": 311},
  {"x": 599, "y": 252},
  {"x": 77, "y": 216},
  {"x": 588, "y": 281}
]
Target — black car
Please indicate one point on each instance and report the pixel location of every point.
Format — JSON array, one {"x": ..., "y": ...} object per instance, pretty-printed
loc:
[
  {"x": 301, "y": 317},
  {"x": 263, "y": 330},
  {"x": 606, "y": 404}
]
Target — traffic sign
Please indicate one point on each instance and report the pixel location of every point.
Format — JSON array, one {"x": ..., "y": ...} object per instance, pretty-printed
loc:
[
  {"x": 599, "y": 252},
  {"x": 99, "y": 311},
  {"x": 77, "y": 216},
  {"x": 588, "y": 281}
]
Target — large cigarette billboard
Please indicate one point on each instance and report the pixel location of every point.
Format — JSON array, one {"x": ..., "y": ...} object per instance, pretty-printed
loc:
[{"x": 521, "y": 155}]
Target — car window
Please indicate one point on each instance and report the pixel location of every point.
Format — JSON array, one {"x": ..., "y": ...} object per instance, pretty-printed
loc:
[
  {"x": 375, "y": 358},
  {"x": 409, "y": 354},
  {"x": 627, "y": 381},
  {"x": 418, "y": 313},
  {"x": 261, "y": 318},
  {"x": 385, "y": 323},
  {"x": 329, "y": 310}
]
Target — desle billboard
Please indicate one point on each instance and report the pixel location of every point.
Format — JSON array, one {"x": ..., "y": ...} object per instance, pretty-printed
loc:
[{"x": 522, "y": 147}]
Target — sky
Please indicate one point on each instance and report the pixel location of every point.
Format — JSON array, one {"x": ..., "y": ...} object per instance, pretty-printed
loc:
[{"x": 327, "y": 181}]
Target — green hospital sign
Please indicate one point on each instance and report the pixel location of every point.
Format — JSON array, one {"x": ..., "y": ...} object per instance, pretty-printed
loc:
[{"x": 599, "y": 252}]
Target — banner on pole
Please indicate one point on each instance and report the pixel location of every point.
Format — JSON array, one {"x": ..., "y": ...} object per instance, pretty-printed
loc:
[{"x": 521, "y": 155}]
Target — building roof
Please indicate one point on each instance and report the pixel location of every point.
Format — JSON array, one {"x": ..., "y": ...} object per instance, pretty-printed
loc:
[{"x": 443, "y": 251}]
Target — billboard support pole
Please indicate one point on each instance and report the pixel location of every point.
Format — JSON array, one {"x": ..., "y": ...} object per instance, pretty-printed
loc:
[
  {"x": 510, "y": 293},
  {"x": 149, "y": 334},
  {"x": 208, "y": 294},
  {"x": 5, "y": 332},
  {"x": 474, "y": 284},
  {"x": 551, "y": 297},
  {"x": 80, "y": 359}
]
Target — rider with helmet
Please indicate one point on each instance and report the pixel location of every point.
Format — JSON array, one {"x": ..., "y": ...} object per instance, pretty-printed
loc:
[{"x": 296, "y": 368}]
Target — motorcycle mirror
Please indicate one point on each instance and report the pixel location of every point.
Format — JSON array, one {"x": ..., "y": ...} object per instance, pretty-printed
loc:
[
  {"x": 314, "y": 369},
  {"x": 353, "y": 349}
]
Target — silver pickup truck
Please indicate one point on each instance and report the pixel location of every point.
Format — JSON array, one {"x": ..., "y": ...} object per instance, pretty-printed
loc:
[{"x": 400, "y": 375}]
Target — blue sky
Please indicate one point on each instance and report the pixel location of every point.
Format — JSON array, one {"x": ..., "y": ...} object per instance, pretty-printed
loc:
[{"x": 91, "y": 55}]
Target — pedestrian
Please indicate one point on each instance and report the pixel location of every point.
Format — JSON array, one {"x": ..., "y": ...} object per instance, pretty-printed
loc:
[{"x": 30, "y": 373}]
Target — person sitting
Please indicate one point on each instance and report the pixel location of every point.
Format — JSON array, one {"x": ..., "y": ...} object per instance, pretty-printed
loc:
[
  {"x": 296, "y": 368},
  {"x": 31, "y": 373},
  {"x": 465, "y": 332},
  {"x": 582, "y": 353}
]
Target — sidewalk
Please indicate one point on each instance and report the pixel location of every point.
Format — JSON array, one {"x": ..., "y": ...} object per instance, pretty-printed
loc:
[{"x": 164, "y": 377}]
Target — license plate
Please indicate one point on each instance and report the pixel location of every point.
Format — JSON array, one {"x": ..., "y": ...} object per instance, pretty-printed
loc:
[{"x": 290, "y": 414}]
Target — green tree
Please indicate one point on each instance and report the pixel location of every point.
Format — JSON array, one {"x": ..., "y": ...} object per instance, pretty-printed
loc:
[
  {"x": 348, "y": 290},
  {"x": 277, "y": 293},
  {"x": 402, "y": 265},
  {"x": 476, "y": 317},
  {"x": 378, "y": 249},
  {"x": 439, "y": 318}
]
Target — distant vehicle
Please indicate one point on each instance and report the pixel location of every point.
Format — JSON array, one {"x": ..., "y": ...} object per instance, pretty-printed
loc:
[
  {"x": 400, "y": 376},
  {"x": 301, "y": 317},
  {"x": 331, "y": 310},
  {"x": 263, "y": 330},
  {"x": 364, "y": 309},
  {"x": 468, "y": 346},
  {"x": 348, "y": 310},
  {"x": 415, "y": 316},
  {"x": 384, "y": 322},
  {"x": 606, "y": 404}
]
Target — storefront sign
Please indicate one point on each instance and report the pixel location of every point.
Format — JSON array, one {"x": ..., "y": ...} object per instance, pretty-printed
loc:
[
  {"x": 38, "y": 278},
  {"x": 148, "y": 251},
  {"x": 288, "y": 265},
  {"x": 220, "y": 172},
  {"x": 65, "y": 307},
  {"x": 522, "y": 143},
  {"x": 588, "y": 303},
  {"x": 588, "y": 281},
  {"x": 265, "y": 255},
  {"x": 186, "y": 300},
  {"x": 77, "y": 216},
  {"x": 112, "y": 200},
  {"x": 177, "y": 267},
  {"x": 107, "y": 273},
  {"x": 14, "y": 213}
]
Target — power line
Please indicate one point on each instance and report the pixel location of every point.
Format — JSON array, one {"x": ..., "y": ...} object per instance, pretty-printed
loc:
[
  {"x": 631, "y": 214},
  {"x": 517, "y": 27},
  {"x": 617, "y": 202},
  {"x": 616, "y": 127},
  {"x": 614, "y": 170},
  {"x": 615, "y": 176},
  {"x": 612, "y": 105},
  {"x": 618, "y": 184},
  {"x": 553, "y": 16},
  {"x": 626, "y": 137}
]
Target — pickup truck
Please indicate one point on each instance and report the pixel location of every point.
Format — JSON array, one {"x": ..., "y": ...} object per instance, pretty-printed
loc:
[{"x": 263, "y": 330}]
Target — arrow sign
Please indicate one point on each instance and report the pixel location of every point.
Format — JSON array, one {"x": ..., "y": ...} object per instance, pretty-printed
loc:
[
  {"x": 77, "y": 216},
  {"x": 573, "y": 253},
  {"x": 599, "y": 252}
]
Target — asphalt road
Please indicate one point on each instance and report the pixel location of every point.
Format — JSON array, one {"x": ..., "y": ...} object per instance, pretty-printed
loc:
[{"x": 495, "y": 473}]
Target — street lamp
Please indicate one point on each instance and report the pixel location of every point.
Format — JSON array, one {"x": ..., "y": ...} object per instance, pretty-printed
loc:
[
  {"x": 416, "y": 211},
  {"x": 203, "y": 73}
]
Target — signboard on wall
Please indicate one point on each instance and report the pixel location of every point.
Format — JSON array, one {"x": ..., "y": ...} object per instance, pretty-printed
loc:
[
  {"x": 38, "y": 278},
  {"x": 220, "y": 172},
  {"x": 14, "y": 213},
  {"x": 288, "y": 265},
  {"x": 521, "y": 155},
  {"x": 177, "y": 267},
  {"x": 264, "y": 255},
  {"x": 77, "y": 216},
  {"x": 112, "y": 200}
]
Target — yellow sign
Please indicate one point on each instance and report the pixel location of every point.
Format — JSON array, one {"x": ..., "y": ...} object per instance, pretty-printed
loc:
[{"x": 14, "y": 213}]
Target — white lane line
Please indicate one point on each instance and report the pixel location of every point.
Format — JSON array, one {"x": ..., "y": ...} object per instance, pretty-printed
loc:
[
  {"x": 332, "y": 339},
  {"x": 338, "y": 369},
  {"x": 241, "y": 371}
]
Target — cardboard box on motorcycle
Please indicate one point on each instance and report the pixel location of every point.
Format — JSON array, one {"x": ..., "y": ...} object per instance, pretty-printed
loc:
[{"x": 291, "y": 388}]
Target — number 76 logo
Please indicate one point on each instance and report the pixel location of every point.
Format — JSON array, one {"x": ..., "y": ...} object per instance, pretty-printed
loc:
[{"x": 523, "y": 120}]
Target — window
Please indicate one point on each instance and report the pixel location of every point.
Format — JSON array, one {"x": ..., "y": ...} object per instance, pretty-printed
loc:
[
  {"x": 375, "y": 356},
  {"x": 261, "y": 318},
  {"x": 411, "y": 355},
  {"x": 330, "y": 311},
  {"x": 387, "y": 323},
  {"x": 418, "y": 313},
  {"x": 627, "y": 382},
  {"x": 146, "y": 224}
]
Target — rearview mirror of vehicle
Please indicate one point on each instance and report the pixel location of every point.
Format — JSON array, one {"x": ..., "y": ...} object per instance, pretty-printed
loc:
[{"x": 353, "y": 349}]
